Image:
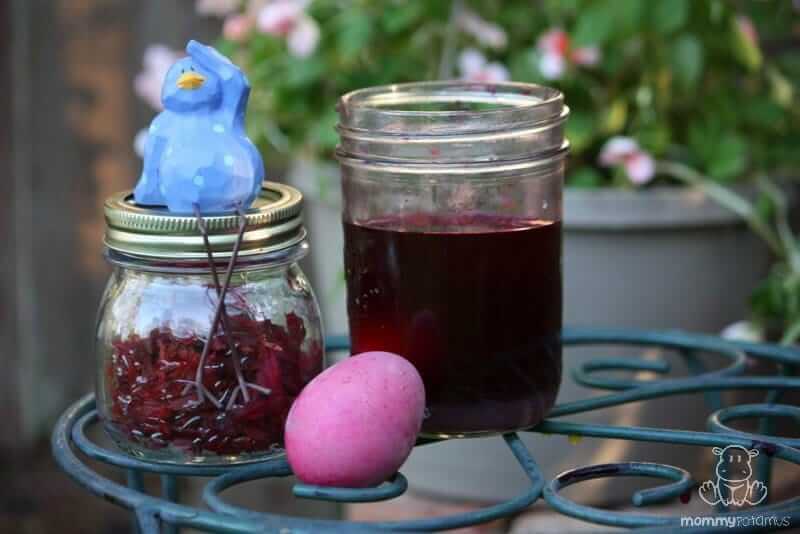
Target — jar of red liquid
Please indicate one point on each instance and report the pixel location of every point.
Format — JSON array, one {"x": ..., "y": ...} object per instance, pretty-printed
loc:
[
  {"x": 156, "y": 315},
  {"x": 452, "y": 222}
]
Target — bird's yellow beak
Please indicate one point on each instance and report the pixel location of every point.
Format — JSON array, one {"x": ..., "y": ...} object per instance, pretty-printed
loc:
[{"x": 191, "y": 80}]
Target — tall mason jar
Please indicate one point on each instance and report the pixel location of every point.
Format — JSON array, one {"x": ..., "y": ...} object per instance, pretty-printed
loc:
[
  {"x": 452, "y": 222},
  {"x": 158, "y": 395}
]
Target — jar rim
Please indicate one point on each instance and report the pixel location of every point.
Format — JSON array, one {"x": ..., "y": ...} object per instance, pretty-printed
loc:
[
  {"x": 452, "y": 124},
  {"x": 498, "y": 106},
  {"x": 274, "y": 222}
]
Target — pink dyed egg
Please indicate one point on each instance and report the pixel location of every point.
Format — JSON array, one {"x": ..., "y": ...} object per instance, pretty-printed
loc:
[{"x": 355, "y": 423}]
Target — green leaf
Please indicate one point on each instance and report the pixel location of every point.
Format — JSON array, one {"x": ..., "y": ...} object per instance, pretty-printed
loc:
[
  {"x": 603, "y": 20},
  {"x": 764, "y": 207},
  {"x": 323, "y": 134},
  {"x": 763, "y": 113},
  {"x": 744, "y": 49},
  {"x": 400, "y": 17},
  {"x": 595, "y": 25},
  {"x": 782, "y": 90},
  {"x": 702, "y": 137},
  {"x": 303, "y": 72},
  {"x": 686, "y": 59},
  {"x": 728, "y": 158},
  {"x": 523, "y": 67},
  {"x": 654, "y": 137},
  {"x": 615, "y": 117},
  {"x": 580, "y": 130},
  {"x": 777, "y": 298},
  {"x": 666, "y": 16},
  {"x": 627, "y": 15},
  {"x": 561, "y": 6},
  {"x": 355, "y": 31},
  {"x": 585, "y": 178}
]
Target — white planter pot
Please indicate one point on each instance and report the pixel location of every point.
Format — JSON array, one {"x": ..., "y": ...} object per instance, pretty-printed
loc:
[{"x": 666, "y": 258}]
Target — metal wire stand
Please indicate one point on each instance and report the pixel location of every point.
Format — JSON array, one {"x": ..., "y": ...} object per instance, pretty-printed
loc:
[{"x": 165, "y": 514}]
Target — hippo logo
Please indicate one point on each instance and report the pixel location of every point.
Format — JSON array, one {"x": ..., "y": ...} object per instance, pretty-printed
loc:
[{"x": 732, "y": 485}]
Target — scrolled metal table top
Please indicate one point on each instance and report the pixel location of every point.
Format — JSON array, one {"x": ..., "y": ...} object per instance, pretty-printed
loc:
[{"x": 165, "y": 514}]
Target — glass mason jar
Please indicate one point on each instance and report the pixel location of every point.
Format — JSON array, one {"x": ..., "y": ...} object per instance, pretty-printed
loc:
[
  {"x": 156, "y": 315},
  {"x": 452, "y": 222}
]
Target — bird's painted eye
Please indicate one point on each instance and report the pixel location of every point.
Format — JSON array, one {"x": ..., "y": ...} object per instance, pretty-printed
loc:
[{"x": 191, "y": 67}]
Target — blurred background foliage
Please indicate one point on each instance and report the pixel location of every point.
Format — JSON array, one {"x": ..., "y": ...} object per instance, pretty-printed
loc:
[
  {"x": 661, "y": 92},
  {"x": 689, "y": 81}
]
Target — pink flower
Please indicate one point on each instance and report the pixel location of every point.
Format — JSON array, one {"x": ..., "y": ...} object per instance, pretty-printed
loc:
[
  {"x": 304, "y": 38},
  {"x": 748, "y": 29},
  {"x": 474, "y": 67},
  {"x": 743, "y": 331},
  {"x": 484, "y": 32},
  {"x": 157, "y": 61},
  {"x": 552, "y": 66},
  {"x": 237, "y": 27},
  {"x": 556, "y": 53},
  {"x": 217, "y": 8},
  {"x": 279, "y": 17},
  {"x": 586, "y": 55},
  {"x": 624, "y": 151},
  {"x": 288, "y": 19}
]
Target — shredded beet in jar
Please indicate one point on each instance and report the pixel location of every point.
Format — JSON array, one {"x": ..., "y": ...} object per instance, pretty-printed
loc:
[{"x": 154, "y": 403}]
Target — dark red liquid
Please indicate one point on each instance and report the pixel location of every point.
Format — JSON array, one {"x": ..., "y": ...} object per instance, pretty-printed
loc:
[{"x": 473, "y": 301}]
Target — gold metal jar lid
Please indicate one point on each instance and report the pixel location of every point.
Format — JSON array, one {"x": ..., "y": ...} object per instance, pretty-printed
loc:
[{"x": 274, "y": 223}]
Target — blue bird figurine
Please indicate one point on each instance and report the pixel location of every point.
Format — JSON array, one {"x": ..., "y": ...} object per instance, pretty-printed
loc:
[{"x": 198, "y": 157}]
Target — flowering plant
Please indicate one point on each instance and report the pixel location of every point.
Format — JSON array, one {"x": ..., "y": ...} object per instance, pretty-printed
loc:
[
  {"x": 660, "y": 91},
  {"x": 678, "y": 80}
]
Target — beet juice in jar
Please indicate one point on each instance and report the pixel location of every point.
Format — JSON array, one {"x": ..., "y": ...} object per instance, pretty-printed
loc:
[{"x": 452, "y": 224}]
